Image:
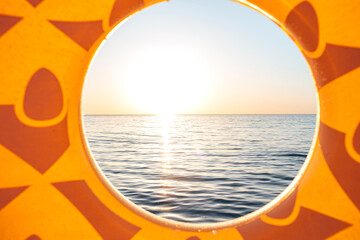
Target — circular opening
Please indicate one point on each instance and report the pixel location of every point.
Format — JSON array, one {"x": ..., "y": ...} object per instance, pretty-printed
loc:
[{"x": 199, "y": 117}]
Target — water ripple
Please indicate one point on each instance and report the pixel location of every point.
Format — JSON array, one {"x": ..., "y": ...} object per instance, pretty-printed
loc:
[{"x": 205, "y": 168}]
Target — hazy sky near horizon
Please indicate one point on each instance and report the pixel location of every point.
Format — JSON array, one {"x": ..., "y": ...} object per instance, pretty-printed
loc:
[{"x": 199, "y": 57}]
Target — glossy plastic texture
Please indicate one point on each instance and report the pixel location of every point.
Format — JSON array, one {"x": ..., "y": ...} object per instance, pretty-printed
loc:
[{"x": 51, "y": 187}]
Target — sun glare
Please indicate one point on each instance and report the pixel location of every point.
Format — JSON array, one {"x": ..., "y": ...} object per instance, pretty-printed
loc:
[{"x": 166, "y": 80}]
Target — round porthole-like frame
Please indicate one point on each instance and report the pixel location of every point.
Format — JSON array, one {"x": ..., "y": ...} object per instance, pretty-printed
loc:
[{"x": 51, "y": 188}]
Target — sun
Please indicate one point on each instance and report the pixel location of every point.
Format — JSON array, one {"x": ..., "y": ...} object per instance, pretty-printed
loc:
[{"x": 166, "y": 80}]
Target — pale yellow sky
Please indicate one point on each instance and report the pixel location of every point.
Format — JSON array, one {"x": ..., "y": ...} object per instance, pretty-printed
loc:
[{"x": 185, "y": 58}]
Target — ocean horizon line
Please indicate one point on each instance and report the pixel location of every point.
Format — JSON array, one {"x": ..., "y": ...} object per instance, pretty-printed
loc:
[{"x": 198, "y": 114}]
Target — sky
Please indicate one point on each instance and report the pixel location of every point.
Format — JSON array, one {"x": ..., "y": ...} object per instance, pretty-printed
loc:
[{"x": 198, "y": 57}]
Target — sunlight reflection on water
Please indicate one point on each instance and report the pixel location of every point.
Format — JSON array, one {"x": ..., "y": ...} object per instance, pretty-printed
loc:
[{"x": 205, "y": 168}]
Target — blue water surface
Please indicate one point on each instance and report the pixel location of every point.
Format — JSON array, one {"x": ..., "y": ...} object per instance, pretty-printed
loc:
[{"x": 200, "y": 168}]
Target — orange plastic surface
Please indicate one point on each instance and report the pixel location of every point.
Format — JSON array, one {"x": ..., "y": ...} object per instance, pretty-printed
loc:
[{"x": 51, "y": 188}]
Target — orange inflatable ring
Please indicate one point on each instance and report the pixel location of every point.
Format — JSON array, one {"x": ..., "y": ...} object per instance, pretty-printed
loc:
[{"x": 51, "y": 188}]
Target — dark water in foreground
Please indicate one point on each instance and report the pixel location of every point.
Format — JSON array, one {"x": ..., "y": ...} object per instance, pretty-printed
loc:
[{"x": 200, "y": 168}]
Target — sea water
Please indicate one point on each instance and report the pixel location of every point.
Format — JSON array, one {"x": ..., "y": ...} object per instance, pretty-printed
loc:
[{"x": 200, "y": 168}]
